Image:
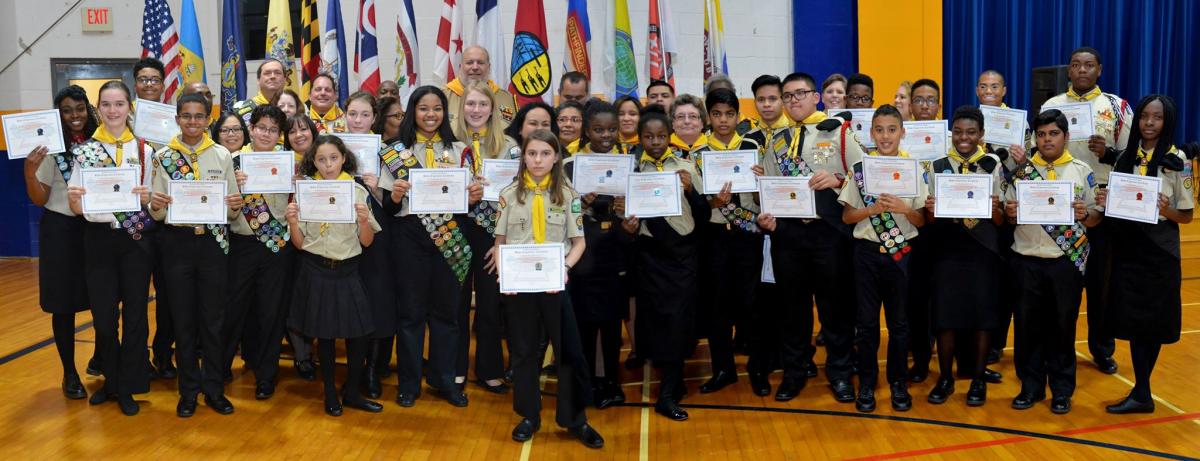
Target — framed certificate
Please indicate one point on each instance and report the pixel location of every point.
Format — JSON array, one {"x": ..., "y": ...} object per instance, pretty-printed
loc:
[
  {"x": 109, "y": 190},
  {"x": 268, "y": 172},
  {"x": 155, "y": 122},
  {"x": 325, "y": 201},
  {"x": 1133, "y": 197},
  {"x": 1046, "y": 203},
  {"x": 497, "y": 175},
  {"x": 1080, "y": 124},
  {"x": 718, "y": 168},
  {"x": 532, "y": 268},
  {"x": 438, "y": 190},
  {"x": 787, "y": 196},
  {"x": 197, "y": 202},
  {"x": 365, "y": 148},
  {"x": 891, "y": 175},
  {"x": 925, "y": 140},
  {"x": 861, "y": 124},
  {"x": 651, "y": 195},
  {"x": 1003, "y": 127},
  {"x": 26, "y": 131},
  {"x": 605, "y": 174},
  {"x": 962, "y": 195}
]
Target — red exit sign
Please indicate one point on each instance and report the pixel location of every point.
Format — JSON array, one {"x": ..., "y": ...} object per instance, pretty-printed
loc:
[{"x": 97, "y": 20}]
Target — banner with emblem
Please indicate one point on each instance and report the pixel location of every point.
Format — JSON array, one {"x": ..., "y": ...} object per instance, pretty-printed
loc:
[
  {"x": 531, "y": 74},
  {"x": 233, "y": 67}
]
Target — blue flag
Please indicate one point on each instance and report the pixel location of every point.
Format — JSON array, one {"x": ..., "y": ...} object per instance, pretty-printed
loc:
[
  {"x": 233, "y": 63},
  {"x": 333, "y": 49}
]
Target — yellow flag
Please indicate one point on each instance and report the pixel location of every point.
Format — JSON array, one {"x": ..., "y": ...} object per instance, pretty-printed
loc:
[{"x": 279, "y": 40}]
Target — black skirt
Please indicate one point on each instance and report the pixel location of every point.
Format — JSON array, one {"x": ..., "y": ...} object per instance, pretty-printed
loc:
[
  {"x": 63, "y": 286},
  {"x": 329, "y": 302},
  {"x": 379, "y": 279},
  {"x": 966, "y": 280},
  {"x": 1144, "y": 300}
]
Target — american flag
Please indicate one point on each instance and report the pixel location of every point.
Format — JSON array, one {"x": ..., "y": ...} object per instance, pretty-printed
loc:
[{"x": 160, "y": 40}]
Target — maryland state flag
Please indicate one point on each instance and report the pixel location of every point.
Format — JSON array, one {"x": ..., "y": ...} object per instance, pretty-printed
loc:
[
  {"x": 279, "y": 39},
  {"x": 310, "y": 45},
  {"x": 531, "y": 75},
  {"x": 190, "y": 47}
]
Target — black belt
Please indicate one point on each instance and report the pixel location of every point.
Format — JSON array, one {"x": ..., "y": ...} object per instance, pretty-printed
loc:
[
  {"x": 329, "y": 263},
  {"x": 189, "y": 230}
]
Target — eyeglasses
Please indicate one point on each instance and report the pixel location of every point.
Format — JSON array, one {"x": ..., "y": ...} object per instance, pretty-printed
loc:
[
  {"x": 686, "y": 117},
  {"x": 149, "y": 81},
  {"x": 397, "y": 115},
  {"x": 270, "y": 130},
  {"x": 862, "y": 99},
  {"x": 230, "y": 130},
  {"x": 924, "y": 101},
  {"x": 562, "y": 120},
  {"x": 797, "y": 95}
]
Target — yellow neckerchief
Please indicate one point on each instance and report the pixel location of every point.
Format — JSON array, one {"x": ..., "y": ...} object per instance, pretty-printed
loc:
[
  {"x": 331, "y": 115},
  {"x": 679, "y": 143},
  {"x": 769, "y": 130},
  {"x": 900, "y": 154},
  {"x": 101, "y": 134},
  {"x": 815, "y": 117},
  {"x": 1144, "y": 159},
  {"x": 261, "y": 100},
  {"x": 627, "y": 143},
  {"x": 193, "y": 155},
  {"x": 658, "y": 163},
  {"x": 573, "y": 147},
  {"x": 1090, "y": 95},
  {"x": 456, "y": 86},
  {"x": 539, "y": 205},
  {"x": 966, "y": 162},
  {"x": 478, "y": 163},
  {"x": 1064, "y": 159},
  {"x": 716, "y": 144},
  {"x": 342, "y": 176},
  {"x": 429, "y": 159}
]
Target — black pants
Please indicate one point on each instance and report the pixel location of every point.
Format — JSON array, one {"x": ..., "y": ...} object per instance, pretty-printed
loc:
[
  {"x": 610, "y": 344},
  {"x": 118, "y": 275},
  {"x": 813, "y": 261},
  {"x": 489, "y": 357},
  {"x": 731, "y": 266},
  {"x": 164, "y": 325},
  {"x": 197, "y": 278},
  {"x": 260, "y": 284},
  {"x": 1045, "y": 324},
  {"x": 1100, "y": 341},
  {"x": 529, "y": 314},
  {"x": 878, "y": 278},
  {"x": 917, "y": 305},
  {"x": 429, "y": 297}
]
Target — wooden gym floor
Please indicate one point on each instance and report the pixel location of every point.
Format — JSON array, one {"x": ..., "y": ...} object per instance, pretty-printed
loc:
[{"x": 39, "y": 423}]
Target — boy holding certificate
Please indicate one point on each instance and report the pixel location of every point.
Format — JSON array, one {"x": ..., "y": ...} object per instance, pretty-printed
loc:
[
  {"x": 195, "y": 256},
  {"x": 1049, "y": 267},
  {"x": 541, "y": 208},
  {"x": 883, "y": 227}
]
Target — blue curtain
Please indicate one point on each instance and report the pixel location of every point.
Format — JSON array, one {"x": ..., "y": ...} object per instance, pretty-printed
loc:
[
  {"x": 1146, "y": 46},
  {"x": 824, "y": 37}
]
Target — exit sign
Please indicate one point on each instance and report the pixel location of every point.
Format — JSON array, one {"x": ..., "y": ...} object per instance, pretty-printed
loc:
[{"x": 97, "y": 20}]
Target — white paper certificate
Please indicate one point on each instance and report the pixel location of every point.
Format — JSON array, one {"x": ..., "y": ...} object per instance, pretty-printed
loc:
[
  {"x": 325, "y": 201},
  {"x": 718, "y": 168},
  {"x": 962, "y": 196},
  {"x": 891, "y": 175},
  {"x": 925, "y": 140},
  {"x": 26, "y": 131},
  {"x": 498, "y": 174},
  {"x": 438, "y": 190},
  {"x": 532, "y": 268},
  {"x": 652, "y": 195},
  {"x": 109, "y": 190},
  {"x": 787, "y": 196},
  {"x": 605, "y": 174},
  {"x": 1080, "y": 124},
  {"x": 861, "y": 124},
  {"x": 365, "y": 148},
  {"x": 154, "y": 121},
  {"x": 197, "y": 202},
  {"x": 1003, "y": 127},
  {"x": 268, "y": 172},
  {"x": 1045, "y": 202},
  {"x": 1133, "y": 197}
]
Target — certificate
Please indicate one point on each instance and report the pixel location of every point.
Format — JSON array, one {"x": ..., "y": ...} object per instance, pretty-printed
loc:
[
  {"x": 601, "y": 173},
  {"x": 787, "y": 196},
  {"x": 438, "y": 190},
  {"x": 925, "y": 140},
  {"x": 891, "y": 175},
  {"x": 1003, "y": 127},
  {"x": 109, "y": 190},
  {"x": 155, "y": 122},
  {"x": 1080, "y": 124},
  {"x": 365, "y": 148},
  {"x": 718, "y": 168},
  {"x": 650, "y": 195},
  {"x": 861, "y": 123},
  {"x": 197, "y": 202},
  {"x": 498, "y": 174},
  {"x": 26, "y": 131},
  {"x": 962, "y": 195},
  {"x": 1045, "y": 202},
  {"x": 532, "y": 268},
  {"x": 267, "y": 172},
  {"x": 1133, "y": 197},
  {"x": 325, "y": 201}
]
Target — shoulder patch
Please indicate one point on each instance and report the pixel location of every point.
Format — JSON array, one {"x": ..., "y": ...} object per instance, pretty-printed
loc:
[
  {"x": 576, "y": 205},
  {"x": 1091, "y": 179}
]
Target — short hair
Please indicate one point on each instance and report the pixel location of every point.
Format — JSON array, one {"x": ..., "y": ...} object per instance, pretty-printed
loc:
[
  {"x": 690, "y": 100},
  {"x": 968, "y": 113},
  {"x": 651, "y": 113},
  {"x": 766, "y": 80},
  {"x": 274, "y": 113},
  {"x": 573, "y": 77},
  {"x": 593, "y": 108},
  {"x": 654, "y": 83},
  {"x": 799, "y": 77},
  {"x": 887, "y": 110},
  {"x": 193, "y": 97},
  {"x": 926, "y": 82},
  {"x": 1088, "y": 50},
  {"x": 860, "y": 79},
  {"x": 834, "y": 78},
  {"x": 1051, "y": 117},
  {"x": 215, "y": 129},
  {"x": 993, "y": 72},
  {"x": 258, "y": 72},
  {"x": 149, "y": 63},
  {"x": 719, "y": 79},
  {"x": 721, "y": 96}
]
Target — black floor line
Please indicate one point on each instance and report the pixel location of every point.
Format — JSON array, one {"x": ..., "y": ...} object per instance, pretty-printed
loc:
[{"x": 34, "y": 347}]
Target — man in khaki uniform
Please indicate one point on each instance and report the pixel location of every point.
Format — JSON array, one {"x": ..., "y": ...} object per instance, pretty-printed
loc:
[{"x": 476, "y": 67}]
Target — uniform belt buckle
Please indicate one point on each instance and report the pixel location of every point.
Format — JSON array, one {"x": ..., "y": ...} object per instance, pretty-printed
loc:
[
  {"x": 198, "y": 230},
  {"x": 332, "y": 263}
]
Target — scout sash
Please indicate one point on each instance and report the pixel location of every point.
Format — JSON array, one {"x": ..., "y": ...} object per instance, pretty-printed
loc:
[
  {"x": 177, "y": 168},
  {"x": 1071, "y": 239},
  {"x": 93, "y": 155},
  {"x": 483, "y": 212},
  {"x": 442, "y": 228},
  {"x": 986, "y": 235},
  {"x": 267, "y": 228},
  {"x": 733, "y": 212},
  {"x": 891, "y": 240}
]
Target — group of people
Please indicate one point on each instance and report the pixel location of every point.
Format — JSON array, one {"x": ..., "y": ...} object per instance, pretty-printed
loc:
[{"x": 386, "y": 279}]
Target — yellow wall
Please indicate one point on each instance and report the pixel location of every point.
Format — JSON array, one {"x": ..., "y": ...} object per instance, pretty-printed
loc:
[{"x": 899, "y": 40}]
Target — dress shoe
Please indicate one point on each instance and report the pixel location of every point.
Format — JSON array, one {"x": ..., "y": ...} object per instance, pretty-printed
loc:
[
  {"x": 993, "y": 356},
  {"x": 942, "y": 390},
  {"x": 372, "y": 387},
  {"x": 1106, "y": 365},
  {"x": 1129, "y": 405},
  {"x": 101, "y": 396},
  {"x": 333, "y": 409},
  {"x": 454, "y": 397},
  {"x": 360, "y": 403},
  {"x": 129, "y": 407},
  {"x": 525, "y": 429},
  {"x": 718, "y": 381},
  {"x": 1060, "y": 405},
  {"x": 1025, "y": 400},
  {"x": 901, "y": 399},
  {"x": 992, "y": 376},
  {"x": 842, "y": 390},
  {"x": 406, "y": 400},
  {"x": 671, "y": 410},
  {"x": 508, "y": 375},
  {"x": 634, "y": 361},
  {"x": 760, "y": 384},
  {"x": 788, "y": 389},
  {"x": 810, "y": 369},
  {"x": 264, "y": 390},
  {"x": 497, "y": 389},
  {"x": 918, "y": 374},
  {"x": 977, "y": 394},
  {"x": 219, "y": 403},
  {"x": 164, "y": 367},
  {"x": 865, "y": 403},
  {"x": 610, "y": 394},
  {"x": 72, "y": 387},
  {"x": 186, "y": 407},
  {"x": 306, "y": 370},
  {"x": 586, "y": 435},
  {"x": 93, "y": 366}
]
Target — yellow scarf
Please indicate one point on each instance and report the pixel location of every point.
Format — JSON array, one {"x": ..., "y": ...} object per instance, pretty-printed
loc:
[
  {"x": 331, "y": 115},
  {"x": 627, "y": 143},
  {"x": 816, "y": 117},
  {"x": 101, "y": 134},
  {"x": 178, "y": 145},
  {"x": 769, "y": 130},
  {"x": 1090, "y": 95},
  {"x": 430, "y": 162},
  {"x": 342, "y": 176},
  {"x": 658, "y": 163},
  {"x": 573, "y": 147},
  {"x": 539, "y": 205},
  {"x": 966, "y": 162},
  {"x": 716, "y": 144},
  {"x": 261, "y": 100},
  {"x": 679, "y": 143},
  {"x": 1064, "y": 159},
  {"x": 1144, "y": 159},
  {"x": 478, "y": 163}
]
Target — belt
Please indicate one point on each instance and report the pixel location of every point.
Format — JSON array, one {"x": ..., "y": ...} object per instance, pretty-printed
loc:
[
  {"x": 329, "y": 263},
  {"x": 193, "y": 230}
]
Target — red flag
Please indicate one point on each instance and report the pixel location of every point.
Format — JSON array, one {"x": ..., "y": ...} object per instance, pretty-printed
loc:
[
  {"x": 531, "y": 71},
  {"x": 449, "y": 42}
]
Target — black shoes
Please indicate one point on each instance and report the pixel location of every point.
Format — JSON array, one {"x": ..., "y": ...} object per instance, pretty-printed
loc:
[
  {"x": 93, "y": 367},
  {"x": 810, "y": 369},
  {"x": 406, "y": 400},
  {"x": 634, "y": 361},
  {"x": 1106, "y": 365},
  {"x": 901, "y": 399},
  {"x": 73, "y": 388},
  {"x": 372, "y": 386},
  {"x": 333, "y": 407},
  {"x": 608, "y": 393},
  {"x": 497, "y": 389},
  {"x": 977, "y": 394},
  {"x": 186, "y": 407},
  {"x": 101, "y": 396},
  {"x": 524, "y": 430},
  {"x": 760, "y": 384},
  {"x": 918, "y": 374},
  {"x": 1128, "y": 406},
  {"x": 219, "y": 404},
  {"x": 789, "y": 389},
  {"x": 1025, "y": 400},
  {"x": 671, "y": 410},
  {"x": 842, "y": 390},
  {"x": 305, "y": 369},
  {"x": 865, "y": 403},
  {"x": 128, "y": 406},
  {"x": 586, "y": 435},
  {"x": 992, "y": 376},
  {"x": 263, "y": 390},
  {"x": 718, "y": 381},
  {"x": 453, "y": 396},
  {"x": 941, "y": 391},
  {"x": 363, "y": 404},
  {"x": 1060, "y": 405},
  {"x": 993, "y": 356},
  {"x": 163, "y": 366}
]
